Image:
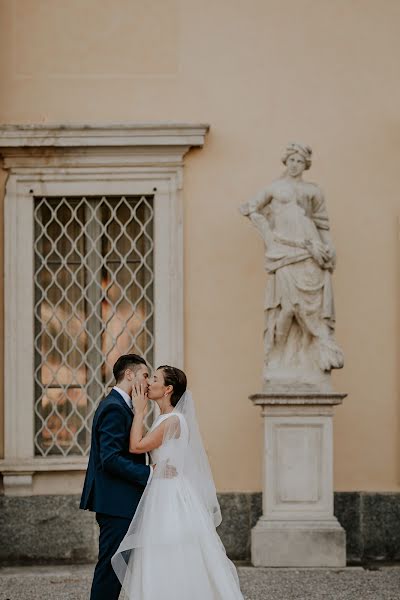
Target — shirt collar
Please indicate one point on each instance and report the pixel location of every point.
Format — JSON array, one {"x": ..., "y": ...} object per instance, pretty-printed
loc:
[{"x": 125, "y": 396}]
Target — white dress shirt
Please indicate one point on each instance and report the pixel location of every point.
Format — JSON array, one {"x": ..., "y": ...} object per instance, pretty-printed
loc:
[{"x": 128, "y": 400}]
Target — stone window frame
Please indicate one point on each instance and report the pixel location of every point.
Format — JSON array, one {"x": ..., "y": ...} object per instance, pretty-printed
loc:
[{"x": 57, "y": 160}]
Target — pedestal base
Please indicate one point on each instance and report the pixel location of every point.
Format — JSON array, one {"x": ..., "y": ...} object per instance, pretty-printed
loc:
[{"x": 298, "y": 544}]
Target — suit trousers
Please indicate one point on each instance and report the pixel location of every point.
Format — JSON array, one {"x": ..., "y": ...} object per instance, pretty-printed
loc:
[{"x": 105, "y": 585}]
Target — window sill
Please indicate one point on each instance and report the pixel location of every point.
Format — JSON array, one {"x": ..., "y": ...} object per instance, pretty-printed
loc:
[
  {"x": 33, "y": 465},
  {"x": 18, "y": 473}
]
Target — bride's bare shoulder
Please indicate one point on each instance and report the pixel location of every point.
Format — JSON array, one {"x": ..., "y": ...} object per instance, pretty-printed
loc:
[{"x": 171, "y": 425}]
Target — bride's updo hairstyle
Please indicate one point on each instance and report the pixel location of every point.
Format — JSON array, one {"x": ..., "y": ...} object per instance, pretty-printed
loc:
[{"x": 176, "y": 378}]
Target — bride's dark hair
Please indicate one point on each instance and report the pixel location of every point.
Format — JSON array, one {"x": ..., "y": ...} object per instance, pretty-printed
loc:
[{"x": 176, "y": 378}]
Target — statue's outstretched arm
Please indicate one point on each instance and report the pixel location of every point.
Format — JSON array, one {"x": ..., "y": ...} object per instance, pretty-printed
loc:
[
  {"x": 260, "y": 200},
  {"x": 257, "y": 203},
  {"x": 261, "y": 223},
  {"x": 252, "y": 210}
]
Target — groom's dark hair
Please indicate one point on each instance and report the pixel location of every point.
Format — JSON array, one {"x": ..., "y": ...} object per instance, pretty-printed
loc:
[{"x": 127, "y": 361}]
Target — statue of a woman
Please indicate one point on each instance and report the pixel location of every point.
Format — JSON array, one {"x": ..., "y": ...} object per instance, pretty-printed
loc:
[{"x": 300, "y": 349}]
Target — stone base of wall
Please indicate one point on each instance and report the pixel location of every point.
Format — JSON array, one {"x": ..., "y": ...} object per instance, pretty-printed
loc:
[
  {"x": 44, "y": 529},
  {"x": 371, "y": 521}
]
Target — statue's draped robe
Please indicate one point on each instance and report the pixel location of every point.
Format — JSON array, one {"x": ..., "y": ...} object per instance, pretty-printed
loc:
[{"x": 296, "y": 283}]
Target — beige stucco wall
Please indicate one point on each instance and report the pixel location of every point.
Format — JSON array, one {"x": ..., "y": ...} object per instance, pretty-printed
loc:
[{"x": 262, "y": 73}]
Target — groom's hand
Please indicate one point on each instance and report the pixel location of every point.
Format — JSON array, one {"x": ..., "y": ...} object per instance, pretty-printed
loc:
[{"x": 169, "y": 471}]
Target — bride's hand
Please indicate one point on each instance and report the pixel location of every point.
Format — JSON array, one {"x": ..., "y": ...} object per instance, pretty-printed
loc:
[{"x": 139, "y": 397}]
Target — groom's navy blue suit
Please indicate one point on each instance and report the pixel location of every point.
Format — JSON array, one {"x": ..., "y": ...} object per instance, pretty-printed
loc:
[{"x": 114, "y": 483}]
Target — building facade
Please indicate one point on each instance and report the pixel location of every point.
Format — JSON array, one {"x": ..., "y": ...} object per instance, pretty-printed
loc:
[{"x": 131, "y": 134}]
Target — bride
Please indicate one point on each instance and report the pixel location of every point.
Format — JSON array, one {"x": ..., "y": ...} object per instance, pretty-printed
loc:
[{"x": 172, "y": 550}]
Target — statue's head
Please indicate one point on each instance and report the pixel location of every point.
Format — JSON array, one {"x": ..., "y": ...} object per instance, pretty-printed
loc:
[{"x": 297, "y": 157}]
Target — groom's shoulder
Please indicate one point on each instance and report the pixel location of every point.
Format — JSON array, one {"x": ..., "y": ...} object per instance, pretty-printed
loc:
[{"x": 108, "y": 402}]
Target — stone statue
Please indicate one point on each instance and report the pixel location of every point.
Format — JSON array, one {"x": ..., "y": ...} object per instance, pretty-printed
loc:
[{"x": 299, "y": 345}]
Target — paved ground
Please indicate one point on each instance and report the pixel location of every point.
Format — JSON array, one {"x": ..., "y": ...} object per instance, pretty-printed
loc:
[{"x": 73, "y": 583}]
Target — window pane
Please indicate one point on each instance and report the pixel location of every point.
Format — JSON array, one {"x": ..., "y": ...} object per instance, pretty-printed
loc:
[{"x": 93, "y": 302}]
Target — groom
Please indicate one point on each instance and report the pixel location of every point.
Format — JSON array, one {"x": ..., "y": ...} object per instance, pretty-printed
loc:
[{"x": 115, "y": 479}]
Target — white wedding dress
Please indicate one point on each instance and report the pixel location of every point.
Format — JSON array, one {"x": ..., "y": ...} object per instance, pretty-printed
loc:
[{"x": 172, "y": 550}]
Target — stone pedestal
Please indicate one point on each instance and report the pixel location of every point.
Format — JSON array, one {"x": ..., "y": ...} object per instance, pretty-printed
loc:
[{"x": 298, "y": 527}]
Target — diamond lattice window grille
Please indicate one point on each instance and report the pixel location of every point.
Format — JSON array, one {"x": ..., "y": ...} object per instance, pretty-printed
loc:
[{"x": 94, "y": 286}]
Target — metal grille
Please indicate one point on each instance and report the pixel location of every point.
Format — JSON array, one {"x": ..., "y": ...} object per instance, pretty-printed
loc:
[{"x": 93, "y": 302}]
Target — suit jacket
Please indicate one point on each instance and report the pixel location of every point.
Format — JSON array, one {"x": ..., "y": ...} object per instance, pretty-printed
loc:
[{"x": 115, "y": 479}]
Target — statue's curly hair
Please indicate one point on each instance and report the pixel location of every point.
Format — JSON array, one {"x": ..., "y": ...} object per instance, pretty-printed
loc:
[{"x": 302, "y": 149}]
